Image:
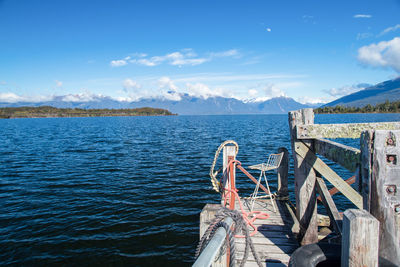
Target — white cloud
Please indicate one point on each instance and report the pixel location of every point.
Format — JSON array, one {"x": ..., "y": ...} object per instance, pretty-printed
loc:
[
  {"x": 118, "y": 63},
  {"x": 365, "y": 16},
  {"x": 199, "y": 90},
  {"x": 263, "y": 92},
  {"x": 59, "y": 84},
  {"x": 82, "y": 97},
  {"x": 172, "y": 95},
  {"x": 130, "y": 84},
  {"x": 168, "y": 89},
  {"x": 346, "y": 90},
  {"x": 179, "y": 58},
  {"x": 390, "y": 29},
  {"x": 269, "y": 30},
  {"x": 167, "y": 83},
  {"x": 252, "y": 92},
  {"x": 228, "y": 53},
  {"x": 185, "y": 57},
  {"x": 9, "y": 97},
  {"x": 314, "y": 100},
  {"x": 384, "y": 54}
]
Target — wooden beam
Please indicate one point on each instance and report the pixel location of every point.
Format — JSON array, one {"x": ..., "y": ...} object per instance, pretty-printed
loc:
[
  {"x": 333, "y": 213},
  {"x": 344, "y": 130},
  {"x": 303, "y": 151},
  {"x": 334, "y": 190},
  {"x": 360, "y": 239},
  {"x": 306, "y": 202},
  {"x": 346, "y": 156}
]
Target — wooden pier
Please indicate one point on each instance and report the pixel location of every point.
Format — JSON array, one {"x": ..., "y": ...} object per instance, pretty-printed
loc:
[
  {"x": 274, "y": 240},
  {"x": 369, "y": 234}
]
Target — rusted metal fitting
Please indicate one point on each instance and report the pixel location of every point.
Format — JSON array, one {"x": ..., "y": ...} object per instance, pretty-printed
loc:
[
  {"x": 390, "y": 141},
  {"x": 397, "y": 208},
  {"x": 391, "y": 189},
  {"x": 391, "y": 159}
]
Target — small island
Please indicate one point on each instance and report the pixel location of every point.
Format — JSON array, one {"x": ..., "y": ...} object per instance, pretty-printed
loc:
[{"x": 52, "y": 112}]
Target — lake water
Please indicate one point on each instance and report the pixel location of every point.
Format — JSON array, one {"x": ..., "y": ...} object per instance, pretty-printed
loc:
[{"x": 123, "y": 190}]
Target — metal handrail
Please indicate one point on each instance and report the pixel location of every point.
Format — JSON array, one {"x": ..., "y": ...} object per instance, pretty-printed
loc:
[{"x": 207, "y": 256}]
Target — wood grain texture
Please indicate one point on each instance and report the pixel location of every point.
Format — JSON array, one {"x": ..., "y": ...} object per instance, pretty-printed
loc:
[
  {"x": 360, "y": 240},
  {"x": 320, "y": 166},
  {"x": 333, "y": 213},
  {"x": 283, "y": 174},
  {"x": 344, "y": 130},
  {"x": 306, "y": 204},
  {"x": 385, "y": 205},
  {"x": 346, "y": 156}
]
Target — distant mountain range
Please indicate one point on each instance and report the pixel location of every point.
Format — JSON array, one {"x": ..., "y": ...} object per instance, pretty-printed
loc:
[
  {"x": 376, "y": 94},
  {"x": 187, "y": 105},
  {"x": 190, "y": 105}
]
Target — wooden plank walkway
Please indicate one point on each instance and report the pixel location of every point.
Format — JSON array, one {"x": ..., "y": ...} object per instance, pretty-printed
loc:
[{"x": 274, "y": 242}]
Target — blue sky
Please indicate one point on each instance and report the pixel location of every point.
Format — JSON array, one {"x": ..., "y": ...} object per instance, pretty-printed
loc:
[{"x": 313, "y": 51}]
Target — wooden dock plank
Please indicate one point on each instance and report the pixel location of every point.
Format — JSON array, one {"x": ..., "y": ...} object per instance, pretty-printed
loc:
[{"x": 274, "y": 242}]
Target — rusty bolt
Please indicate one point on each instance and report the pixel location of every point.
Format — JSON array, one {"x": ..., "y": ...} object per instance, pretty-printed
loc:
[
  {"x": 391, "y": 189},
  {"x": 397, "y": 208},
  {"x": 390, "y": 141}
]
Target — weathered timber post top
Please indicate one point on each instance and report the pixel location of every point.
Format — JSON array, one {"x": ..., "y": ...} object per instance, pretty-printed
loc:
[{"x": 376, "y": 169}]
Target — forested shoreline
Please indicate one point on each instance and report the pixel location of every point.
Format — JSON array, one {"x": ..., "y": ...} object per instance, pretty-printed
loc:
[
  {"x": 387, "y": 107},
  {"x": 52, "y": 112}
]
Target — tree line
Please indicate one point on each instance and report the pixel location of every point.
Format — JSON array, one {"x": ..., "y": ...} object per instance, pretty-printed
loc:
[
  {"x": 386, "y": 107},
  {"x": 48, "y": 111}
]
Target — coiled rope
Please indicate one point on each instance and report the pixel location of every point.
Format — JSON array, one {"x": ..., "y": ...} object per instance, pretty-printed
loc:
[
  {"x": 239, "y": 225},
  {"x": 214, "y": 181}
]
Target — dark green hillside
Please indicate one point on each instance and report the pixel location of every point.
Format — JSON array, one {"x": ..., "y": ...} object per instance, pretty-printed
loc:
[
  {"x": 387, "y": 107},
  {"x": 373, "y": 95},
  {"x": 49, "y": 112}
]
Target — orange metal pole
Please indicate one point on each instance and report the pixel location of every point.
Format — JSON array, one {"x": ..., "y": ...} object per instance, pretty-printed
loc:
[
  {"x": 252, "y": 178},
  {"x": 232, "y": 182},
  {"x": 334, "y": 190}
]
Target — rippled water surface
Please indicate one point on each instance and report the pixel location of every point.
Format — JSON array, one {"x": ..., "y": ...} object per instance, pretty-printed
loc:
[{"x": 121, "y": 190}]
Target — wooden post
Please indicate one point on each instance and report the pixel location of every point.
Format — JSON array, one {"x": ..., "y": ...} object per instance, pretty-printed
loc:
[
  {"x": 283, "y": 173},
  {"x": 305, "y": 178},
  {"x": 381, "y": 172},
  {"x": 229, "y": 154},
  {"x": 360, "y": 240},
  {"x": 364, "y": 181}
]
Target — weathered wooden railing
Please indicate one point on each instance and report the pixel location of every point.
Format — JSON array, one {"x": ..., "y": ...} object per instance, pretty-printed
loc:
[{"x": 377, "y": 181}]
